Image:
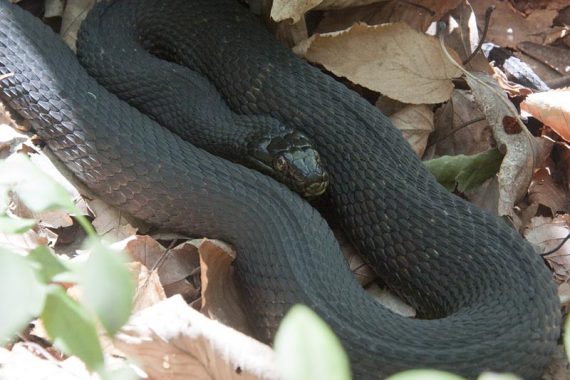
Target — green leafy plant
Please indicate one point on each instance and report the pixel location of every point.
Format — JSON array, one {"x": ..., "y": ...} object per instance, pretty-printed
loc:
[
  {"x": 32, "y": 285},
  {"x": 307, "y": 348}
]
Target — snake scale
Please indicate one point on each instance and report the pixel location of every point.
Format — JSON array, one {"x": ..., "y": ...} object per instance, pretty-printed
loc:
[{"x": 487, "y": 300}]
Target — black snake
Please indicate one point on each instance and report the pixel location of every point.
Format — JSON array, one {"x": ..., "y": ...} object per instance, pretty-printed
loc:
[{"x": 488, "y": 300}]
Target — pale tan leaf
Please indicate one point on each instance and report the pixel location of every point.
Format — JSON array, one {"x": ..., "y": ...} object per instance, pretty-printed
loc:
[
  {"x": 110, "y": 222},
  {"x": 392, "y": 59},
  {"x": 513, "y": 139},
  {"x": 291, "y": 9},
  {"x": 391, "y": 301},
  {"x": 148, "y": 291},
  {"x": 416, "y": 124},
  {"x": 548, "y": 233},
  {"x": 220, "y": 300},
  {"x": 74, "y": 13},
  {"x": 552, "y": 108},
  {"x": 172, "y": 340}
]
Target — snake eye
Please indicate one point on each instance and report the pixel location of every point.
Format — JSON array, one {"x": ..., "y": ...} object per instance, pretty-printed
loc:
[{"x": 280, "y": 163}]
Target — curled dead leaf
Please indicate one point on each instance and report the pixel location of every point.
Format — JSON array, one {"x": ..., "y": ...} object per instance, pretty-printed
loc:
[
  {"x": 220, "y": 300},
  {"x": 392, "y": 59},
  {"x": 552, "y": 108},
  {"x": 522, "y": 155}
]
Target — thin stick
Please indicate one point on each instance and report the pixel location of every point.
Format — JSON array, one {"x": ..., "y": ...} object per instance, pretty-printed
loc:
[{"x": 488, "y": 13}]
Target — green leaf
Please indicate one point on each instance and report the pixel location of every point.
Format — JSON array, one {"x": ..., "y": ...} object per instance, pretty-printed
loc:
[
  {"x": 4, "y": 199},
  {"x": 22, "y": 295},
  {"x": 35, "y": 188},
  {"x": 71, "y": 328},
  {"x": 49, "y": 265},
  {"x": 465, "y": 172},
  {"x": 15, "y": 225},
  {"x": 120, "y": 373},
  {"x": 567, "y": 337},
  {"x": 424, "y": 374},
  {"x": 107, "y": 285},
  {"x": 308, "y": 349}
]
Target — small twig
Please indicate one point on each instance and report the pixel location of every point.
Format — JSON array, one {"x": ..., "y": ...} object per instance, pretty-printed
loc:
[
  {"x": 2, "y": 77},
  {"x": 557, "y": 247},
  {"x": 466, "y": 124},
  {"x": 488, "y": 13}
]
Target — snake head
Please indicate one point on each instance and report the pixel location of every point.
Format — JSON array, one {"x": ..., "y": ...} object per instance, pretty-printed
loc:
[{"x": 290, "y": 158}]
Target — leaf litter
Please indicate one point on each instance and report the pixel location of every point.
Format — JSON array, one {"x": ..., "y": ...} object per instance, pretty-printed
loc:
[{"x": 468, "y": 116}]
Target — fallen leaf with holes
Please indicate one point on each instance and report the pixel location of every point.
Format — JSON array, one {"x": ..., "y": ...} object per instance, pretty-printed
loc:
[
  {"x": 393, "y": 59},
  {"x": 552, "y": 108},
  {"x": 522, "y": 154},
  {"x": 416, "y": 123},
  {"x": 548, "y": 233},
  {"x": 172, "y": 340}
]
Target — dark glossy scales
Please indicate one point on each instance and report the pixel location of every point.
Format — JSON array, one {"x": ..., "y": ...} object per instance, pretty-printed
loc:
[{"x": 498, "y": 305}]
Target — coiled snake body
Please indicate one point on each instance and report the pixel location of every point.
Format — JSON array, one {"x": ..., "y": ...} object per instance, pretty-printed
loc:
[{"x": 493, "y": 300}]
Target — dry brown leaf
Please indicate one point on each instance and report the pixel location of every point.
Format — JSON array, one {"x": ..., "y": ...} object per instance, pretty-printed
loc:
[
  {"x": 295, "y": 9},
  {"x": 508, "y": 27},
  {"x": 220, "y": 300},
  {"x": 513, "y": 89},
  {"x": 172, "y": 340},
  {"x": 558, "y": 32},
  {"x": 513, "y": 139},
  {"x": 455, "y": 132},
  {"x": 463, "y": 37},
  {"x": 74, "y": 13},
  {"x": 110, "y": 222},
  {"x": 559, "y": 367},
  {"x": 416, "y": 15},
  {"x": 392, "y": 59},
  {"x": 340, "y": 4},
  {"x": 291, "y": 9},
  {"x": 552, "y": 108},
  {"x": 178, "y": 264},
  {"x": 545, "y": 191},
  {"x": 548, "y": 233},
  {"x": 53, "y": 8},
  {"x": 416, "y": 124},
  {"x": 148, "y": 290}
]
